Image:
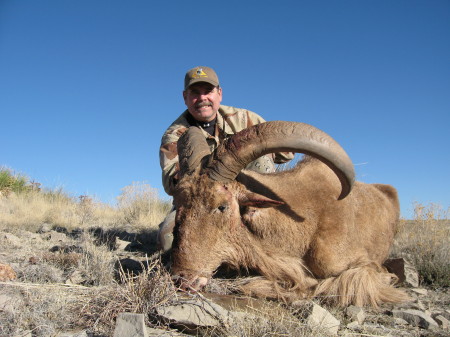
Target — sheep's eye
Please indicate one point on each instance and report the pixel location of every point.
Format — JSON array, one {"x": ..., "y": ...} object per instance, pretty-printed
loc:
[{"x": 222, "y": 208}]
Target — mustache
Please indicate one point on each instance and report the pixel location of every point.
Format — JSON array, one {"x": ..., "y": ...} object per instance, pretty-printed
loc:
[{"x": 201, "y": 104}]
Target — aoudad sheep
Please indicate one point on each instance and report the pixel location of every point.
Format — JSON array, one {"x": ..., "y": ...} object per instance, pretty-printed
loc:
[{"x": 308, "y": 231}]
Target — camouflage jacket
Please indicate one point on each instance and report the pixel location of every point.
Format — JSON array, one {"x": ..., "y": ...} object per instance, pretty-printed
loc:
[{"x": 229, "y": 121}]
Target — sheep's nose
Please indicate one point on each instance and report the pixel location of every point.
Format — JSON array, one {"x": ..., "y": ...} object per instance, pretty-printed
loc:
[{"x": 193, "y": 284}]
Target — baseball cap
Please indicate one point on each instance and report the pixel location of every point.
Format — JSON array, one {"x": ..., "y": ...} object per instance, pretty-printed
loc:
[{"x": 200, "y": 74}]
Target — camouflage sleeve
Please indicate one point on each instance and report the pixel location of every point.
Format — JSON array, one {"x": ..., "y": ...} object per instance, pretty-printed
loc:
[
  {"x": 278, "y": 158},
  {"x": 168, "y": 157}
]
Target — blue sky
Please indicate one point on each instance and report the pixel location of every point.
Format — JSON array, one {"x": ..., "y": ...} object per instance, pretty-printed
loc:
[{"x": 87, "y": 88}]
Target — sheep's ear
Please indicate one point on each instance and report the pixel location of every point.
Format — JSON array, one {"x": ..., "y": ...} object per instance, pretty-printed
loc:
[{"x": 257, "y": 200}]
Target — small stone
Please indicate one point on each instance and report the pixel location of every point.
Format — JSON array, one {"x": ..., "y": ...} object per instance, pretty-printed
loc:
[
  {"x": 400, "y": 321},
  {"x": 420, "y": 291},
  {"x": 355, "y": 314},
  {"x": 404, "y": 270},
  {"x": 415, "y": 318},
  {"x": 193, "y": 313},
  {"x": 443, "y": 322},
  {"x": 121, "y": 244},
  {"x": 320, "y": 319},
  {"x": 130, "y": 325},
  {"x": 353, "y": 325},
  {"x": 419, "y": 305},
  {"x": 45, "y": 228}
]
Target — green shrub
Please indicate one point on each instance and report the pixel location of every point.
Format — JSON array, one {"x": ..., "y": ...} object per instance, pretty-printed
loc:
[{"x": 10, "y": 182}]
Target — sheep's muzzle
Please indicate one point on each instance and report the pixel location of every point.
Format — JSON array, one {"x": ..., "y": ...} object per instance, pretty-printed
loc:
[{"x": 190, "y": 283}]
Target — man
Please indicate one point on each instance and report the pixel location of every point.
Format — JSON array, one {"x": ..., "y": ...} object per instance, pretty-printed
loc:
[{"x": 202, "y": 95}]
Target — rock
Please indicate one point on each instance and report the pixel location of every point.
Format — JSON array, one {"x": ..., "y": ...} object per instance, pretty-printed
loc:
[
  {"x": 61, "y": 229},
  {"x": 415, "y": 318},
  {"x": 420, "y": 291},
  {"x": 130, "y": 325},
  {"x": 353, "y": 325},
  {"x": 7, "y": 273},
  {"x": 400, "y": 321},
  {"x": 321, "y": 320},
  {"x": 443, "y": 322},
  {"x": 419, "y": 304},
  {"x": 355, "y": 313},
  {"x": 121, "y": 244},
  {"x": 404, "y": 270},
  {"x": 194, "y": 313},
  {"x": 446, "y": 314},
  {"x": 45, "y": 228},
  {"x": 76, "y": 233},
  {"x": 416, "y": 305},
  {"x": 12, "y": 239}
]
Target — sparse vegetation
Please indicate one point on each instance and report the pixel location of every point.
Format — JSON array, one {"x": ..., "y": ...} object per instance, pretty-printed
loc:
[
  {"x": 138, "y": 205},
  {"x": 425, "y": 241},
  {"x": 69, "y": 277}
]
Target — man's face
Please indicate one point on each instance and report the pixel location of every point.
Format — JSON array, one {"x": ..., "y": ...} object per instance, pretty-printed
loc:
[{"x": 203, "y": 100}]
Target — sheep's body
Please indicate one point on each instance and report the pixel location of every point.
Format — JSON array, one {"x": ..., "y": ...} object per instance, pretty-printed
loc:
[{"x": 290, "y": 228}]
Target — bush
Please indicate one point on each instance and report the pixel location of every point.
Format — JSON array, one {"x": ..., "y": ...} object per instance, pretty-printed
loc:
[{"x": 10, "y": 182}]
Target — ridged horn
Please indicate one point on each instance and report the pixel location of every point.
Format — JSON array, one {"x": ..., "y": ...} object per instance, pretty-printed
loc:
[
  {"x": 192, "y": 148},
  {"x": 249, "y": 144}
]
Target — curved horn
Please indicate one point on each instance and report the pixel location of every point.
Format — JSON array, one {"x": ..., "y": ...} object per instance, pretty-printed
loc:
[
  {"x": 251, "y": 143},
  {"x": 192, "y": 148}
]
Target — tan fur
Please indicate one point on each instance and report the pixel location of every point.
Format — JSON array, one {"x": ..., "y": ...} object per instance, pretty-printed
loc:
[
  {"x": 311, "y": 245},
  {"x": 365, "y": 285}
]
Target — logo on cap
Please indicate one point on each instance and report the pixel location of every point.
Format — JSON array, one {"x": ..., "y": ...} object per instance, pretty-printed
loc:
[{"x": 199, "y": 73}]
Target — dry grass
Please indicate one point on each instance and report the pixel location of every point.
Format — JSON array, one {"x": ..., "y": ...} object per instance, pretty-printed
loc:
[
  {"x": 43, "y": 304},
  {"x": 425, "y": 241},
  {"x": 47, "y": 309},
  {"x": 138, "y": 205},
  {"x": 135, "y": 294}
]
